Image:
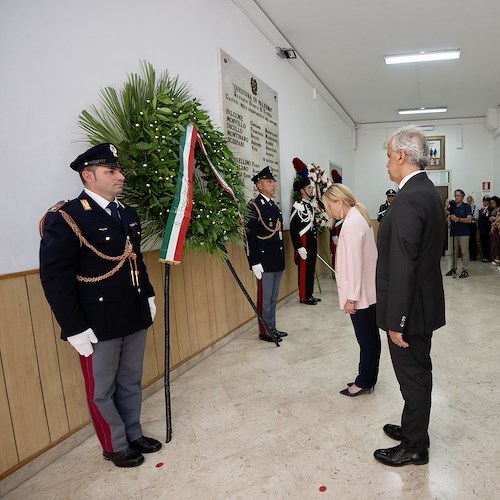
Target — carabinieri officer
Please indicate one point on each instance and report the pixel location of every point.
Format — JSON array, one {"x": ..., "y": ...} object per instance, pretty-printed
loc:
[
  {"x": 96, "y": 283},
  {"x": 266, "y": 254}
]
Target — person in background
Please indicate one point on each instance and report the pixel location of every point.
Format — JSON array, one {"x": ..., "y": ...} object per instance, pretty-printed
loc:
[
  {"x": 473, "y": 228},
  {"x": 96, "y": 283},
  {"x": 355, "y": 278},
  {"x": 390, "y": 194},
  {"x": 494, "y": 231},
  {"x": 484, "y": 227},
  {"x": 410, "y": 294}
]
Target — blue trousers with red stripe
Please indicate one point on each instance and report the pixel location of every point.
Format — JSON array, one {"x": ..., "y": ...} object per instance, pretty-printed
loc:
[{"x": 112, "y": 376}]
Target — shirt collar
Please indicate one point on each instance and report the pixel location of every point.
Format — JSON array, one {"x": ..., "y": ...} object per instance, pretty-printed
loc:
[
  {"x": 405, "y": 179},
  {"x": 102, "y": 202}
]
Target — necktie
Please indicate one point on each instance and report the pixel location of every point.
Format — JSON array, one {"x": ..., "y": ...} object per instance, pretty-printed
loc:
[{"x": 114, "y": 212}]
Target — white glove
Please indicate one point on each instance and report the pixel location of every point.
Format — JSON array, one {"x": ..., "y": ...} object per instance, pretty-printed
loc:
[
  {"x": 258, "y": 270},
  {"x": 82, "y": 342},
  {"x": 303, "y": 253},
  {"x": 152, "y": 307},
  {"x": 335, "y": 239}
]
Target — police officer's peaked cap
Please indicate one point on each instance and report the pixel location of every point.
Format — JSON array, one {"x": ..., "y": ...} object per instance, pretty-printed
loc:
[
  {"x": 104, "y": 154},
  {"x": 390, "y": 192},
  {"x": 265, "y": 173},
  {"x": 300, "y": 183}
]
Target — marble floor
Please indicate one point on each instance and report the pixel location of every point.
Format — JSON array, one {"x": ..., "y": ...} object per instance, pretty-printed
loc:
[{"x": 253, "y": 421}]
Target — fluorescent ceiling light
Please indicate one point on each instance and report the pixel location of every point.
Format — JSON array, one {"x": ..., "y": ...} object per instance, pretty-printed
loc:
[
  {"x": 423, "y": 56},
  {"x": 422, "y": 111}
]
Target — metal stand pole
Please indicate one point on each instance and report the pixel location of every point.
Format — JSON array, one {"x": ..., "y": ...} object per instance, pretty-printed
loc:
[{"x": 166, "y": 375}]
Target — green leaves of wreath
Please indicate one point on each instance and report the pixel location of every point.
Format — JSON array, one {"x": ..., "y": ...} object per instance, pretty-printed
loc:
[{"x": 145, "y": 120}]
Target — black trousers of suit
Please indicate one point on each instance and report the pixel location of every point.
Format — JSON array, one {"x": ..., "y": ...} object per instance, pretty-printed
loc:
[
  {"x": 368, "y": 337},
  {"x": 485, "y": 244},
  {"x": 473, "y": 241},
  {"x": 413, "y": 368}
]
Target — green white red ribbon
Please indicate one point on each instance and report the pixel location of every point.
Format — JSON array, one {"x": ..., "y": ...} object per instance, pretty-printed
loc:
[{"x": 180, "y": 212}]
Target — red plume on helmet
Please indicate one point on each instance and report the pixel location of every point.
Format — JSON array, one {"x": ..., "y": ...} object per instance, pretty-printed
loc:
[
  {"x": 300, "y": 167},
  {"x": 336, "y": 177}
]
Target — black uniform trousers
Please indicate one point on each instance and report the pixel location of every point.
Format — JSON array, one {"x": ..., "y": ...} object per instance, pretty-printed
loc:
[{"x": 413, "y": 368}]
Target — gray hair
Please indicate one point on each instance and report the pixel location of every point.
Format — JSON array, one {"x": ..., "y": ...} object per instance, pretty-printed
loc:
[{"x": 413, "y": 142}]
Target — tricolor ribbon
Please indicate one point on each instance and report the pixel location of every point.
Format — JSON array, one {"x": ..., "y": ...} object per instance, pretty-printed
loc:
[{"x": 180, "y": 212}]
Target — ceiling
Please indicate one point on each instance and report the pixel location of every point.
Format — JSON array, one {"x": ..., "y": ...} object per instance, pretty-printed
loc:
[{"x": 344, "y": 44}]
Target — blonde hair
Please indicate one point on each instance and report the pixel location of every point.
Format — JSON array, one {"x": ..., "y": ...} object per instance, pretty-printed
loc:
[{"x": 343, "y": 193}]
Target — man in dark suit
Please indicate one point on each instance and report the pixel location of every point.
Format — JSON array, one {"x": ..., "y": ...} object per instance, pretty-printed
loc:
[
  {"x": 96, "y": 283},
  {"x": 266, "y": 254},
  {"x": 410, "y": 296}
]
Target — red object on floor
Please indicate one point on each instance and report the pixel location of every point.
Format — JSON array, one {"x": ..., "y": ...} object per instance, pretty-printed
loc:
[
  {"x": 322, "y": 488},
  {"x": 159, "y": 464}
]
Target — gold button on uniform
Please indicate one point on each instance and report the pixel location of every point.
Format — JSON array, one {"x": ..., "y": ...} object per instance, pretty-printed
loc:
[
  {"x": 107, "y": 238},
  {"x": 101, "y": 299}
]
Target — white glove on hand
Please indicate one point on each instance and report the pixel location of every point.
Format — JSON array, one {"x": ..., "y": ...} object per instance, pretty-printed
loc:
[
  {"x": 258, "y": 270},
  {"x": 303, "y": 253},
  {"x": 152, "y": 307},
  {"x": 335, "y": 239},
  {"x": 82, "y": 342}
]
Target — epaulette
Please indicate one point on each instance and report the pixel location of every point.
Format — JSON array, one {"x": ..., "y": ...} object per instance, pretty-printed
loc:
[{"x": 52, "y": 209}]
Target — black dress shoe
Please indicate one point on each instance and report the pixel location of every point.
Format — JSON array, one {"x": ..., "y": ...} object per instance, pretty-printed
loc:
[
  {"x": 124, "y": 458},
  {"x": 451, "y": 272},
  {"x": 268, "y": 338},
  {"x": 310, "y": 302},
  {"x": 280, "y": 333},
  {"x": 316, "y": 299},
  {"x": 145, "y": 445},
  {"x": 398, "y": 456},
  {"x": 393, "y": 431}
]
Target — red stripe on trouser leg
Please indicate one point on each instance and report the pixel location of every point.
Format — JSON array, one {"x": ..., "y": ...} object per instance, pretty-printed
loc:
[
  {"x": 302, "y": 272},
  {"x": 259, "y": 305},
  {"x": 100, "y": 425}
]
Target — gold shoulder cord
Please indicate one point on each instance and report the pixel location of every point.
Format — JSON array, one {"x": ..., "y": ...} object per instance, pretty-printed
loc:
[
  {"x": 128, "y": 253},
  {"x": 272, "y": 231}
]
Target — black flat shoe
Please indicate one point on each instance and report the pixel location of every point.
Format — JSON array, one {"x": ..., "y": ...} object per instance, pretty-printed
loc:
[
  {"x": 393, "y": 431},
  {"x": 309, "y": 302},
  {"x": 451, "y": 272},
  {"x": 316, "y": 299},
  {"x": 280, "y": 333},
  {"x": 398, "y": 456},
  {"x": 145, "y": 445},
  {"x": 124, "y": 458},
  {"x": 268, "y": 338},
  {"x": 366, "y": 390}
]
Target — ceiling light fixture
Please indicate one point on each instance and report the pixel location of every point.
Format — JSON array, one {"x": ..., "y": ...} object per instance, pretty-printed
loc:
[
  {"x": 418, "y": 111},
  {"x": 286, "y": 53},
  {"x": 423, "y": 56}
]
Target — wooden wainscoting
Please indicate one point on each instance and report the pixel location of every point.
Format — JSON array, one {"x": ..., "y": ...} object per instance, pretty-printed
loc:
[{"x": 42, "y": 398}]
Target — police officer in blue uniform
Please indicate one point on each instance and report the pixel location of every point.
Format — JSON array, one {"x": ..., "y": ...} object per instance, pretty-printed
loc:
[
  {"x": 266, "y": 254},
  {"x": 95, "y": 280}
]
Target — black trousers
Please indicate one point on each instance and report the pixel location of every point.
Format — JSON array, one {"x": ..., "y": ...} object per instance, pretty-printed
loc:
[
  {"x": 485, "y": 244},
  {"x": 413, "y": 368},
  {"x": 472, "y": 241},
  {"x": 368, "y": 337}
]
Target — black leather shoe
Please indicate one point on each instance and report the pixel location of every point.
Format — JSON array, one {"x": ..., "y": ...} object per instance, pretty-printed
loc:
[
  {"x": 366, "y": 390},
  {"x": 393, "y": 431},
  {"x": 464, "y": 274},
  {"x": 268, "y": 338},
  {"x": 451, "y": 272},
  {"x": 124, "y": 458},
  {"x": 310, "y": 302},
  {"x": 145, "y": 445},
  {"x": 280, "y": 333},
  {"x": 316, "y": 299},
  {"x": 398, "y": 456}
]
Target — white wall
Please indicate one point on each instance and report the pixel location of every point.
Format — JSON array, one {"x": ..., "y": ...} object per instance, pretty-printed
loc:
[
  {"x": 55, "y": 56},
  {"x": 469, "y": 156}
]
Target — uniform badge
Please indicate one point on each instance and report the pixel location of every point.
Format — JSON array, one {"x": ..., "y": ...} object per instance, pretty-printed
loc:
[
  {"x": 113, "y": 149},
  {"x": 262, "y": 202},
  {"x": 403, "y": 321},
  {"x": 57, "y": 206},
  {"x": 85, "y": 204}
]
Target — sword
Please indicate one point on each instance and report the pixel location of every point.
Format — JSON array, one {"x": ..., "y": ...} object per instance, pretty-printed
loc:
[{"x": 326, "y": 263}]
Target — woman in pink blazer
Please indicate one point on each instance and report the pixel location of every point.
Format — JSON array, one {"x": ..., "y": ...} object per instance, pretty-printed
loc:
[{"x": 355, "y": 276}]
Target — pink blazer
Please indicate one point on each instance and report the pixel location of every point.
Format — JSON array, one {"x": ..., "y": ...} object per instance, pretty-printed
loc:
[{"x": 356, "y": 261}]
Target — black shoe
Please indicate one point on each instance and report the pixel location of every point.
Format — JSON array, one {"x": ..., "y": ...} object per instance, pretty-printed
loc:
[
  {"x": 310, "y": 302},
  {"x": 279, "y": 333},
  {"x": 398, "y": 456},
  {"x": 316, "y": 299},
  {"x": 464, "y": 274},
  {"x": 124, "y": 458},
  {"x": 268, "y": 338},
  {"x": 366, "y": 390},
  {"x": 145, "y": 445},
  {"x": 484, "y": 260},
  {"x": 451, "y": 272},
  {"x": 393, "y": 431}
]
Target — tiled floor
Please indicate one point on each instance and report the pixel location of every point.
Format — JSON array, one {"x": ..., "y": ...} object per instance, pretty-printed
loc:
[{"x": 254, "y": 421}]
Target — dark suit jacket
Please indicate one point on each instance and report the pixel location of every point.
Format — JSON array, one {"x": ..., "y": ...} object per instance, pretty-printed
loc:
[
  {"x": 113, "y": 307},
  {"x": 265, "y": 244},
  {"x": 410, "y": 296}
]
